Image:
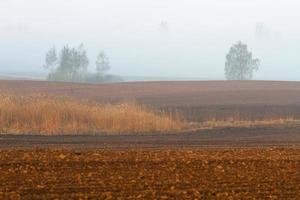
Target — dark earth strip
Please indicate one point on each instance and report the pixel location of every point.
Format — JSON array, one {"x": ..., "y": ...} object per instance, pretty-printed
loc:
[{"x": 263, "y": 136}]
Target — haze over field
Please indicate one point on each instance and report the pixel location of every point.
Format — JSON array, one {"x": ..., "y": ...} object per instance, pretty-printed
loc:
[{"x": 170, "y": 38}]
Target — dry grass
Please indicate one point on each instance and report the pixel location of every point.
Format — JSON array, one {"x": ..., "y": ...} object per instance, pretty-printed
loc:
[
  {"x": 235, "y": 122},
  {"x": 44, "y": 115}
]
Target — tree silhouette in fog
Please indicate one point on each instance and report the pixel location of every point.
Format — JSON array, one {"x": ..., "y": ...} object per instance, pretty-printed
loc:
[
  {"x": 240, "y": 63},
  {"x": 102, "y": 63},
  {"x": 70, "y": 65},
  {"x": 51, "y": 60}
]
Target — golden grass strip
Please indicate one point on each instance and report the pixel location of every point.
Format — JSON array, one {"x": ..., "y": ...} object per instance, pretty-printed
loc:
[
  {"x": 235, "y": 123},
  {"x": 44, "y": 115}
]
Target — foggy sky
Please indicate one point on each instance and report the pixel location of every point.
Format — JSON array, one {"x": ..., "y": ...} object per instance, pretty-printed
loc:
[{"x": 167, "y": 38}]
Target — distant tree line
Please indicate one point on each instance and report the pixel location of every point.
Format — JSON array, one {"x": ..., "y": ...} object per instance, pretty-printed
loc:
[{"x": 71, "y": 65}]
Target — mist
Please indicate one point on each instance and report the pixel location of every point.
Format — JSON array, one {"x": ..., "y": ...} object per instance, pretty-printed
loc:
[{"x": 170, "y": 38}]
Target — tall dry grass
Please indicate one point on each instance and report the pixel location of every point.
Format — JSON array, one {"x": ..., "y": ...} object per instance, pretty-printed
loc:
[
  {"x": 236, "y": 122},
  {"x": 44, "y": 115}
]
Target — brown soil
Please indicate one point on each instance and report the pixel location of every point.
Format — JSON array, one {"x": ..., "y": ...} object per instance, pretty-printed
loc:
[
  {"x": 164, "y": 174},
  {"x": 180, "y": 93},
  {"x": 232, "y": 163}
]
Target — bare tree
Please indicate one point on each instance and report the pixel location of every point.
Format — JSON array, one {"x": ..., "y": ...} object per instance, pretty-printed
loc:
[
  {"x": 164, "y": 26},
  {"x": 102, "y": 63},
  {"x": 81, "y": 62},
  {"x": 83, "y": 59},
  {"x": 51, "y": 60},
  {"x": 239, "y": 63}
]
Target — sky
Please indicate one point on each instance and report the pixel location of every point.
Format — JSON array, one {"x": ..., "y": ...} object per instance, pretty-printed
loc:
[{"x": 158, "y": 38}]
